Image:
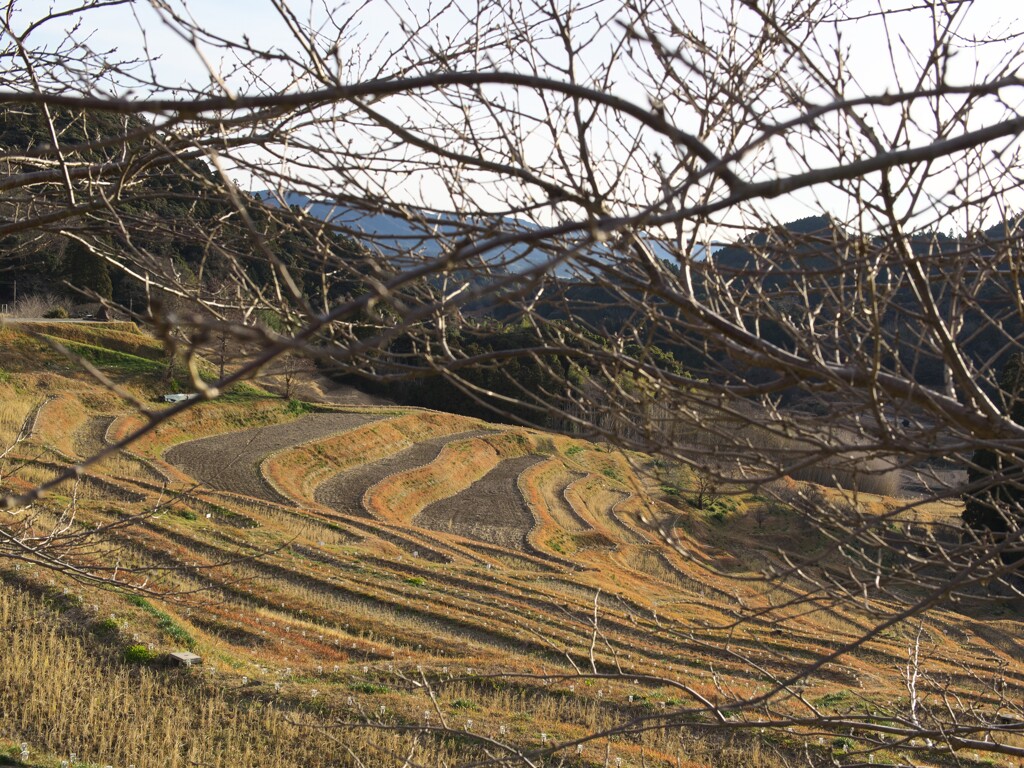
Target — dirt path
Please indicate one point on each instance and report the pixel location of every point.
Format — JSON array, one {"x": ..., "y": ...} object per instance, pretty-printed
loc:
[
  {"x": 231, "y": 462},
  {"x": 316, "y": 388},
  {"x": 344, "y": 492},
  {"x": 491, "y": 509}
]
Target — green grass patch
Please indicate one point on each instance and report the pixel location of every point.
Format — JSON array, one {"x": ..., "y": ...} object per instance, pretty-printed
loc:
[
  {"x": 138, "y": 654},
  {"x": 843, "y": 744},
  {"x": 10, "y": 754},
  {"x": 165, "y": 622},
  {"x": 369, "y": 688},
  {"x": 298, "y": 407},
  {"x": 120, "y": 337},
  {"x": 122, "y": 362},
  {"x": 243, "y": 391},
  {"x": 833, "y": 700},
  {"x": 107, "y": 629}
]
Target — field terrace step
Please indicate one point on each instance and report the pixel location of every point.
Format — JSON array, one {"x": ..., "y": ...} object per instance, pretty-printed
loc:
[
  {"x": 452, "y": 549},
  {"x": 592, "y": 499},
  {"x": 239, "y": 581},
  {"x": 483, "y": 605},
  {"x": 544, "y": 524},
  {"x": 55, "y": 421},
  {"x": 99, "y": 488},
  {"x": 404, "y": 542},
  {"x": 479, "y": 592},
  {"x": 509, "y": 560},
  {"x": 549, "y": 489},
  {"x": 404, "y": 493},
  {"x": 573, "y": 495},
  {"x": 122, "y": 426},
  {"x": 620, "y": 517},
  {"x": 415, "y": 542},
  {"x": 30, "y": 426},
  {"x": 651, "y": 562},
  {"x": 231, "y": 462},
  {"x": 701, "y": 584},
  {"x": 299, "y": 471},
  {"x": 211, "y": 550},
  {"x": 286, "y": 517},
  {"x": 346, "y": 492},
  {"x": 544, "y": 485},
  {"x": 335, "y": 600},
  {"x": 491, "y": 509},
  {"x": 470, "y": 551},
  {"x": 150, "y": 469},
  {"x": 553, "y": 610},
  {"x": 90, "y": 437}
]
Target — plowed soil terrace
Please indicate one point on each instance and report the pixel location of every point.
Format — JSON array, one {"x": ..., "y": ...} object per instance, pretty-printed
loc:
[
  {"x": 231, "y": 462},
  {"x": 344, "y": 492},
  {"x": 492, "y": 509},
  {"x": 90, "y": 437}
]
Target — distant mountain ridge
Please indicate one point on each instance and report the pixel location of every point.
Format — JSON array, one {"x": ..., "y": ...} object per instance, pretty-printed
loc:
[
  {"x": 395, "y": 237},
  {"x": 403, "y": 241}
]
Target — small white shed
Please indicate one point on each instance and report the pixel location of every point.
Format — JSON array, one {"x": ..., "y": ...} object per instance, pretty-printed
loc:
[{"x": 179, "y": 397}]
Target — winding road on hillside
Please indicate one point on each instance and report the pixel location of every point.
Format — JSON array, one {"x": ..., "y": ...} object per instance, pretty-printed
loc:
[{"x": 231, "y": 462}]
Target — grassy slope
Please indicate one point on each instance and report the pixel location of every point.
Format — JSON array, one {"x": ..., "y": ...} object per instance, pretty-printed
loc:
[{"x": 337, "y": 622}]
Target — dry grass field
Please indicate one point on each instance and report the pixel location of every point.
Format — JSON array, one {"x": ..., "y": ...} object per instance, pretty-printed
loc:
[{"x": 378, "y": 586}]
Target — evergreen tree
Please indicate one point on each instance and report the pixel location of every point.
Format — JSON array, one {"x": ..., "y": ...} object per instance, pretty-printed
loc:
[{"x": 86, "y": 270}]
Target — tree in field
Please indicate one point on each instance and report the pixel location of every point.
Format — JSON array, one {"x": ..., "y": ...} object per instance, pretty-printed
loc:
[
  {"x": 706, "y": 489},
  {"x": 607, "y": 184}
]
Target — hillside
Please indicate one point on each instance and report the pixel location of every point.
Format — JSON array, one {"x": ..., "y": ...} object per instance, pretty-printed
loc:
[
  {"x": 390, "y": 585},
  {"x": 165, "y": 207}
]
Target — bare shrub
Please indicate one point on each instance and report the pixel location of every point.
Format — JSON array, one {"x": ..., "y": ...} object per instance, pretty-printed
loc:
[{"x": 38, "y": 306}]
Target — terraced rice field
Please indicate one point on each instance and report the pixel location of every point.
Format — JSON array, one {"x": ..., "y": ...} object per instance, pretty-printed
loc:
[
  {"x": 345, "y": 491},
  {"x": 490, "y": 510},
  {"x": 91, "y": 436},
  {"x": 400, "y": 546},
  {"x": 231, "y": 462}
]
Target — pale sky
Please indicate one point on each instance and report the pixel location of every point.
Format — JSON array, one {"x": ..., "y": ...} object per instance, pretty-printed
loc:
[{"x": 874, "y": 66}]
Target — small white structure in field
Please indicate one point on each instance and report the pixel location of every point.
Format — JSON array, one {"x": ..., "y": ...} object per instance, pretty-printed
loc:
[
  {"x": 179, "y": 397},
  {"x": 186, "y": 659}
]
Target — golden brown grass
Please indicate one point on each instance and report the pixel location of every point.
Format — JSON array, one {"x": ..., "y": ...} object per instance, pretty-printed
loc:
[
  {"x": 340, "y": 595},
  {"x": 60, "y": 698},
  {"x": 401, "y": 497},
  {"x": 14, "y": 409},
  {"x": 298, "y": 471},
  {"x": 202, "y": 421},
  {"x": 57, "y": 422}
]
